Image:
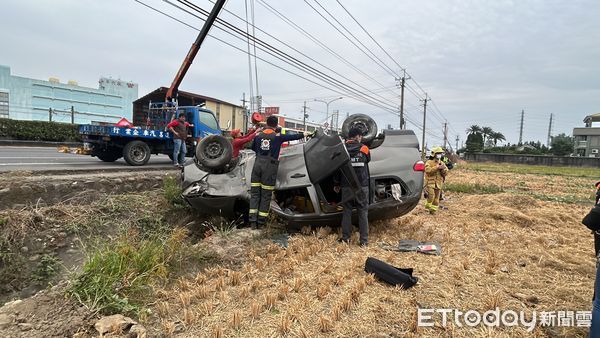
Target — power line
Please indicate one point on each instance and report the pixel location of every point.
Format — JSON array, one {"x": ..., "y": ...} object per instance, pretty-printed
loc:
[
  {"x": 372, "y": 38},
  {"x": 365, "y": 48},
  {"x": 359, "y": 96},
  {"x": 317, "y": 41},
  {"x": 264, "y": 44},
  {"x": 356, "y": 96}
]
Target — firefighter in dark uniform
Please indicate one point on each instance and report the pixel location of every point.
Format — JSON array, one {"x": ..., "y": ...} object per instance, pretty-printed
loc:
[
  {"x": 266, "y": 145},
  {"x": 360, "y": 157}
]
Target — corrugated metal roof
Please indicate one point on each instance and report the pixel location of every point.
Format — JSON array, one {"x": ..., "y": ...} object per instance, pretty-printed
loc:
[{"x": 163, "y": 90}]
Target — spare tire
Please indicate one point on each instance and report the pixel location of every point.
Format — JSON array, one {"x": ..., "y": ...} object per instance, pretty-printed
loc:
[
  {"x": 362, "y": 121},
  {"x": 214, "y": 152}
]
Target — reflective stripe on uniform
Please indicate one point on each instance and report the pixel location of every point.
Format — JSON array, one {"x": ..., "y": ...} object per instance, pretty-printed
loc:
[
  {"x": 267, "y": 187},
  {"x": 253, "y": 211},
  {"x": 255, "y": 184},
  {"x": 358, "y": 164},
  {"x": 263, "y": 214}
]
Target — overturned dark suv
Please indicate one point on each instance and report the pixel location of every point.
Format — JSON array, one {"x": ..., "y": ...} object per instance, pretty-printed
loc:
[{"x": 304, "y": 193}]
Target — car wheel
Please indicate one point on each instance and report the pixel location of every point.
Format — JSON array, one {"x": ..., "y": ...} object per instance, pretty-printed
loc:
[
  {"x": 362, "y": 121},
  {"x": 214, "y": 152},
  {"x": 136, "y": 153}
]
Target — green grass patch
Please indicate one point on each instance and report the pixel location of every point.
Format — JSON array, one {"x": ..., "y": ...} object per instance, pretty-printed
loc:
[
  {"x": 172, "y": 192},
  {"x": 532, "y": 169},
  {"x": 568, "y": 199},
  {"x": 118, "y": 276},
  {"x": 473, "y": 188}
]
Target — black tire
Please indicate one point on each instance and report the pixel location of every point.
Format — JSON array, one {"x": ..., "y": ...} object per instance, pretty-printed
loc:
[
  {"x": 109, "y": 155},
  {"x": 136, "y": 153},
  {"x": 214, "y": 152},
  {"x": 365, "y": 122}
]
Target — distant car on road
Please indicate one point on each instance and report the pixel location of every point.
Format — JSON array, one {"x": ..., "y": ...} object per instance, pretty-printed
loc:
[{"x": 304, "y": 193}]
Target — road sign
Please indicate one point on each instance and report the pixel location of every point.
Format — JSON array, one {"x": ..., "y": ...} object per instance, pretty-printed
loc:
[
  {"x": 271, "y": 110},
  {"x": 326, "y": 125}
]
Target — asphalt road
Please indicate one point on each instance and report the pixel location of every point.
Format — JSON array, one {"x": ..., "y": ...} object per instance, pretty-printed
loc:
[{"x": 49, "y": 159}]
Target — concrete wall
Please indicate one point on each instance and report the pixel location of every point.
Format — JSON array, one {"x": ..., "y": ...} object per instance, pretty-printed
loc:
[
  {"x": 225, "y": 112},
  {"x": 536, "y": 160}
]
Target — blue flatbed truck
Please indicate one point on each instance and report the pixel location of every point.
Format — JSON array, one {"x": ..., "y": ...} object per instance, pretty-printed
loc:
[{"x": 136, "y": 144}]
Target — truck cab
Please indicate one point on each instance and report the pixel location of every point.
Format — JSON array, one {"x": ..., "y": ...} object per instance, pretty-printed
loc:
[{"x": 204, "y": 121}]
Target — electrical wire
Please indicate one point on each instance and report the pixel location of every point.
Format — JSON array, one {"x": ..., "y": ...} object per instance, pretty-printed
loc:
[{"x": 282, "y": 55}]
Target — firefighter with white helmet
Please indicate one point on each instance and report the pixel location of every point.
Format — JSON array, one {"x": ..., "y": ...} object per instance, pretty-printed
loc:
[{"x": 435, "y": 172}]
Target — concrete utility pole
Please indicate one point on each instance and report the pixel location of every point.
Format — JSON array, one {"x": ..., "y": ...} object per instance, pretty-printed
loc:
[
  {"x": 402, "y": 85},
  {"x": 327, "y": 103},
  {"x": 424, "y": 124},
  {"x": 335, "y": 119},
  {"x": 445, "y": 134},
  {"x": 304, "y": 115},
  {"x": 245, "y": 119},
  {"x": 457, "y": 139},
  {"x": 72, "y": 115},
  {"x": 549, "y": 132},
  {"x": 521, "y": 131}
]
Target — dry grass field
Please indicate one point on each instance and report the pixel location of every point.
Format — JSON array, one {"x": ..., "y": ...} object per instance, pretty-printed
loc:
[{"x": 511, "y": 238}]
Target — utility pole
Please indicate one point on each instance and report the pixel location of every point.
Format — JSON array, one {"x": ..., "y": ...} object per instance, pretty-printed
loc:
[
  {"x": 304, "y": 116},
  {"x": 327, "y": 103},
  {"x": 424, "y": 124},
  {"x": 549, "y": 132},
  {"x": 245, "y": 119},
  {"x": 72, "y": 115},
  {"x": 521, "y": 131},
  {"x": 445, "y": 134},
  {"x": 335, "y": 119},
  {"x": 402, "y": 84},
  {"x": 49, "y": 114},
  {"x": 457, "y": 139}
]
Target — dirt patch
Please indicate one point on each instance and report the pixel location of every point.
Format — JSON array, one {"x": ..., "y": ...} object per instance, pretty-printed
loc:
[
  {"x": 47, "y": 314},
  {"x": 18, "y": 191}
]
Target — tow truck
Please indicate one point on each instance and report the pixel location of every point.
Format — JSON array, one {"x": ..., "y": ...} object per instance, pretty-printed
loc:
[{"x": 135, "y": 144}]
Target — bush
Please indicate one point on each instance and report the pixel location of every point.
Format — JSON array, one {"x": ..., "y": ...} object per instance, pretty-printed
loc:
[
  {"x": 39, "y": 131},
  {"x": 118, "y": 276}
]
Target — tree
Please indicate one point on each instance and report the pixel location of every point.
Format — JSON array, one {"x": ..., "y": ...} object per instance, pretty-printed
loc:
[
  {"x": 474, "y": 143},
  {"x": 474, "y": 129},
  {"x": 562, "y": 145},
  {"x": 486, "y": 131},
  {"x": 497, "y": 136}
]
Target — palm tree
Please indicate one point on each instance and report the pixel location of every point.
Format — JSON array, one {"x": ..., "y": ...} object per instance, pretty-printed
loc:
[
  {"x": 474, "y": 129},
  {"x": 497, "y": 136},
  {"x": 486, "y": 131}
]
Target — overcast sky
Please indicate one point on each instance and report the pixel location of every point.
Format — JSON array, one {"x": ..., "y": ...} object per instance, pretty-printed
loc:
[{"x": 482, "y": 62}]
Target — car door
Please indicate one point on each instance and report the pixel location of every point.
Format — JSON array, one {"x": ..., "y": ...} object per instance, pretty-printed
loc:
[{"x": 324, "y": 155}]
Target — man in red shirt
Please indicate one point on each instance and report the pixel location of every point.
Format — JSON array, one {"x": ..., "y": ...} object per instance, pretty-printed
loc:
[
  {"x": 239, "y": 141},
  {"x": 179, "y": 129}
]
